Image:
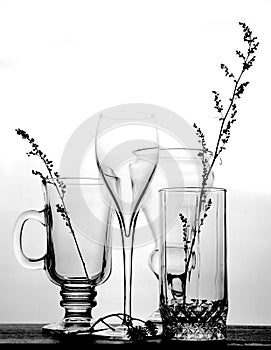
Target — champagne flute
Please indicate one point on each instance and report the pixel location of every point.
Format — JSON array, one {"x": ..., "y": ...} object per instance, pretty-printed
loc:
[{"x": 127, "y": 178}]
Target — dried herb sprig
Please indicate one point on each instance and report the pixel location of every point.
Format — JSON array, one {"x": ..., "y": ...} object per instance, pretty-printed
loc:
[
  {"x": 141, "y": 333},
  {"x": 186, "y": 240},
  {"x": 227, "y": 119},
  {"x": 203, "y": 155},
  {"x": 58, "y": 183},
  {"x": 135, "y": 332}
]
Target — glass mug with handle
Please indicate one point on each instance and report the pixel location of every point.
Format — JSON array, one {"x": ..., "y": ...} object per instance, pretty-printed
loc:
[{"x": 77, "y": 216}]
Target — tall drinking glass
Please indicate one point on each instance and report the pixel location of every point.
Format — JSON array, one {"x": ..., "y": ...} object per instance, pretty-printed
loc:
[
  {"x": 193, "y": 263},
  {"x": 177, "y": 167},
  {"x": 78, "y": 255},
  {"x": 127, "y": 178}
]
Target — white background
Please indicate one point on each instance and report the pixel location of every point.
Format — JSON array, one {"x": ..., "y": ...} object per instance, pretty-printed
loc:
[{"x": 62, "y": 61}]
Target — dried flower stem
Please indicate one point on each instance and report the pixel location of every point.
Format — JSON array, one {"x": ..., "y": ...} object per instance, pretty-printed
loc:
[
  {"x": 227, "y": 120},
  {"x": 58, "y": 183},
  {"x": 134, "y": 333}
]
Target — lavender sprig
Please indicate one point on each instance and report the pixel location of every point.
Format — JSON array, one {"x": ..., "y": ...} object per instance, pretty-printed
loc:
[
  {"x": 185, "y": 234},
  {"x": 227, "y": 118},
  {"x": 58, "y": 183},
  {"x": 239, "y": 87}
]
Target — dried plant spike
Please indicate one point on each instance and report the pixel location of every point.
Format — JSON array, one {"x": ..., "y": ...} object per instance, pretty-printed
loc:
[
  {"x": 201, "y": 137},
  {"x": 227, "y": 117},
  {"x": 58, "y": 183},
  {"x": 151, "y": 328}
]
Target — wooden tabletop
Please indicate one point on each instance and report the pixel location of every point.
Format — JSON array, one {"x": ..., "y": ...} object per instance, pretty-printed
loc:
[{"x": 237, "y": 336}]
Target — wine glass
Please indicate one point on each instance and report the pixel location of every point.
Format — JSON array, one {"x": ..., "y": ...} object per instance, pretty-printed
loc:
[
  {"x": 177, "y": 167},
  {"x": 127, "y": 178}
]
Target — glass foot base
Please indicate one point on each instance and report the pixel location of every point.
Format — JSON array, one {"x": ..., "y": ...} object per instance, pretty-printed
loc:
[
  {"x": 61, "y": 328},
  {"x": 199, "y": 332},
  {"x": 116, "y": 332},
  {"x": 156, "y": 318}
]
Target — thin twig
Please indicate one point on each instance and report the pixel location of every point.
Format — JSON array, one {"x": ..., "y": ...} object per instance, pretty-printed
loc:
[{"x": 58, "y": 183}]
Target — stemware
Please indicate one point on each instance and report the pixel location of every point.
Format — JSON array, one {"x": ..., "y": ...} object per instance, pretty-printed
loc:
[
  {"x": 78, "y": 251},
  {"x": 127, "y": 178},
  {"x": 177, "y": 167}
]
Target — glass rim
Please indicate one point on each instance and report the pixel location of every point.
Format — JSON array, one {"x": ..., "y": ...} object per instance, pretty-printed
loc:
[
  {"x": 75, "y": 180},
  {"x": 192, "y": 190},
  {"x": 118, "y": 115},
  {"x": 171, "y": 149}
]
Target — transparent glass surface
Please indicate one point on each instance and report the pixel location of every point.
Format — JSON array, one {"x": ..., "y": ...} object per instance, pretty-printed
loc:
[
  {"x": 193, "y": 263},
  {"x": 78, "y": 257},
  {"x": 177, "y": 167},
  {"x": 127, "y": 178}
]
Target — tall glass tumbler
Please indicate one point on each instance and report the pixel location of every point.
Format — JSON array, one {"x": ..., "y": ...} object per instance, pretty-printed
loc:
[
  {"x": 193, "y": 263},
  {"x": 177, "y": 167},
  {"x": 77, "y": 218}
]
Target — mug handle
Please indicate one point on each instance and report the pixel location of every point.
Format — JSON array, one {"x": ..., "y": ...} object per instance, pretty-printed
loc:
[{"x": 23, "y": 259}]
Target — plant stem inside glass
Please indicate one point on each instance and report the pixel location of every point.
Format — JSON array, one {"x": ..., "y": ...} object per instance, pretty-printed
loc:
[
  {"x": 78, "y": 251},
  {"x": 177, "y": 167}
]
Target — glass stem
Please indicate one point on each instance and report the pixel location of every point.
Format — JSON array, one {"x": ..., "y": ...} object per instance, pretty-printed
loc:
[
  {"x": 127, "y": 253},
  {"x": 78, "y": 299},
  {"x": 128, "y": 271}
]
